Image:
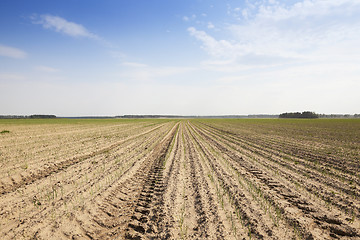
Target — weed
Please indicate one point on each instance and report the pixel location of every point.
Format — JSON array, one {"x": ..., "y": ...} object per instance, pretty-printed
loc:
[
  {"x": 352, "y": 219},
  {"x": 36, "y": 202},
  {"x": 249, "y": 231}
]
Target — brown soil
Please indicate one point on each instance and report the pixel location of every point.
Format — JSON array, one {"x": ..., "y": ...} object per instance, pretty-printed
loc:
[{"x": 171, "y": 180}]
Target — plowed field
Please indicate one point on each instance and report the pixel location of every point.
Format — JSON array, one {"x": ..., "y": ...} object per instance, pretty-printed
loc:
[{"x": 180, "y": 179}]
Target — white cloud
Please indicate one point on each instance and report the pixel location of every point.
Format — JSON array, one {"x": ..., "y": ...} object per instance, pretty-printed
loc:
[
  {"x": 273, "y": 33},
  {"x": 307, "y": 8},
  {"x": 189, "y": 18},
  {"x": 245, "y": 13},
  {"x": 210, "y": 25},
  {"x": 221, "y": 48},
  {"x": 46, "y": 69},
  {"x": 59, "y": 24},
  {"x": 12, "y": 52}
]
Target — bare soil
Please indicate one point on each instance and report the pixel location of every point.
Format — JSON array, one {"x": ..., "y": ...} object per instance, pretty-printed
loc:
[{"x": 175, "y": 179}]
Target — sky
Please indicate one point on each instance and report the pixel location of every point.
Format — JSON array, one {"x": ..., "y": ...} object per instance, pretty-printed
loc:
[{"x": 179, "y": 57}]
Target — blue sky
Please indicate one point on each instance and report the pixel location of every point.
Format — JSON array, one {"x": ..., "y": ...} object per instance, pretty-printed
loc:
[{"x": 188, "y": 57}]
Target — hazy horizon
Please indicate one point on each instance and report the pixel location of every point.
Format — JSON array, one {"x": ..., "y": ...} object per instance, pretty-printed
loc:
[{"x": 191, "y": 57}]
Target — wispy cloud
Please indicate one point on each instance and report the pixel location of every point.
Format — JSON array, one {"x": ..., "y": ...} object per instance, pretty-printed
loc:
[
  {"x": 210, "y": 25},
  {"x": 64, "y": 26},
  {"x": 46, "y": 69},
  {"x": 216, "y": 48},
  {"x": 189, "y": 18},
  {"x": 270, "y": 32},
  {"x": 12, "y": 52}
]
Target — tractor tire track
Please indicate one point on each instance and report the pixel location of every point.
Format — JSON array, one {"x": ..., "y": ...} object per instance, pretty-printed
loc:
[{"x": 132, "y": 210}]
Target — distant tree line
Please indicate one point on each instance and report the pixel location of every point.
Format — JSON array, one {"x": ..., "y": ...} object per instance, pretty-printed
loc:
[
  {"x": 26, "y": 116},
  {"x": 42, "y": 116},
  {"x": 339, "y": 116},
  {"x": 305, "y": 114}
]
